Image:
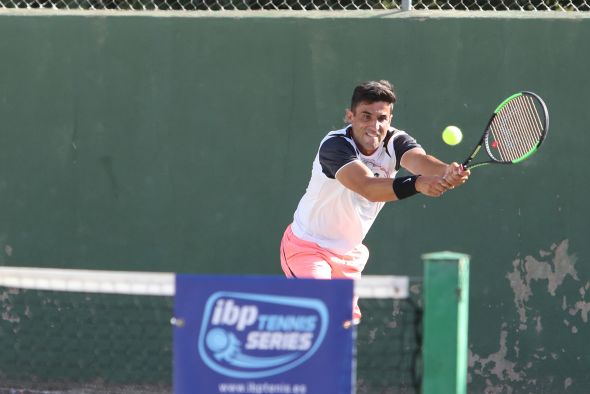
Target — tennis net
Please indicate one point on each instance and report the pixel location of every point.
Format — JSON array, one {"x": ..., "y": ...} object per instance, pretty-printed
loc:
[
  {"x": 389, "y": 338},
  {"x": 81, "y": 331}
]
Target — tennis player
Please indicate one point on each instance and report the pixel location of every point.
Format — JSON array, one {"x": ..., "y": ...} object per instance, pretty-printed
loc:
[{"x": 353, "y": 175}]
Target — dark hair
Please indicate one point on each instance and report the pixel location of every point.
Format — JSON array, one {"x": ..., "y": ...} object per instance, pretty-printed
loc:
[{"x": 371, "y": 92}]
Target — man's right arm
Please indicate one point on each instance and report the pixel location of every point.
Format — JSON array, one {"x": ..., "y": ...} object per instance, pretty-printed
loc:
[
  {"x": 358, "y": 177},
  {"x": 340, "y": 161}
]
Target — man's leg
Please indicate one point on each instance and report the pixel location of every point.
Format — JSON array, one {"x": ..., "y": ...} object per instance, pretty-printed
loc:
[
  {"x": 302, "y": 259},
  {"x": 350, "y": 266}
]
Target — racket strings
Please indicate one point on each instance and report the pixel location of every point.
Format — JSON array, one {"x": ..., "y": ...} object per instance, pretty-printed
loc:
[{"x": 516, "y": 129}]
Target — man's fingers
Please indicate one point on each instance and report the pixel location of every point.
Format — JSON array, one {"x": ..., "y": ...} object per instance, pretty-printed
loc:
[
  {"x": 437, "y": 186},
  {"x": 456, "y": 179}
]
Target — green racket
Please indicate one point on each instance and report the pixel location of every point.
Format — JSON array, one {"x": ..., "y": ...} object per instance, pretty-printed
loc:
[{"x": 515, "y": 131}]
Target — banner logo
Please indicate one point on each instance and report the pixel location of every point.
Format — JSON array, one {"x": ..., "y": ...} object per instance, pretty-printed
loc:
[{"x": 247, "y": 335}]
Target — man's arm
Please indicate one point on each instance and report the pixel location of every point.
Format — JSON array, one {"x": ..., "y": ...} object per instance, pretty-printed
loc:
[
  {"x": 417, "y": 161},
  {"x": 358, "y": 177}
]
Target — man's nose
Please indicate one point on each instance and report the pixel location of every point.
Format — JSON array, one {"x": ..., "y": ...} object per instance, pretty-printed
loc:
[{"x": 374, "y": 125}]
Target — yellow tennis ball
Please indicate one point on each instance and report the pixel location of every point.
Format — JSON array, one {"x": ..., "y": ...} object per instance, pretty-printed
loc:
[{"x": 452, "y": 135}]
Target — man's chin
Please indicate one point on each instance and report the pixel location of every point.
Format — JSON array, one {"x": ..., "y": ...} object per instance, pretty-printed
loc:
[
  {"x": 373, "y": 144},
  {"x": 370, "y": 148}
]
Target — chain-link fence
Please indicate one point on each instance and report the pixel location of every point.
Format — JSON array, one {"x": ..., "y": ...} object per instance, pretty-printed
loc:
[{"x": 301, "y": 5}]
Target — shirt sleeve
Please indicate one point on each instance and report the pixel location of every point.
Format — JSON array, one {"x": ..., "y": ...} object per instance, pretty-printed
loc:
[
  {"x": 402, "y": 144},
  {"x": 334, "y": 153}
]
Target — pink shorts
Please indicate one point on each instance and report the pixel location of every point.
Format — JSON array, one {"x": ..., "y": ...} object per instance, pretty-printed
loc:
[{"x": 304, "y": 259}]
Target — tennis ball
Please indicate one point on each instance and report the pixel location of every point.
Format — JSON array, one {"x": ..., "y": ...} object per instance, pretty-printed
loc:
[{"x": 452, "y": 135}]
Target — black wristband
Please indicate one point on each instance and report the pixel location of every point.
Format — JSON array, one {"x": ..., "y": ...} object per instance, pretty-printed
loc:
[{"x": 405, "y": 186}]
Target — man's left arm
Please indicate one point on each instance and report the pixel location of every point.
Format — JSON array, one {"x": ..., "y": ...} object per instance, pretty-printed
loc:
[{"x": 418, "y": 162}]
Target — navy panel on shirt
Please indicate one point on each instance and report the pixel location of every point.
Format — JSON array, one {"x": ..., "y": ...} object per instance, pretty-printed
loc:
[
  {"x": 402, "y": 144},
  {"x": 334, "y": 153}
]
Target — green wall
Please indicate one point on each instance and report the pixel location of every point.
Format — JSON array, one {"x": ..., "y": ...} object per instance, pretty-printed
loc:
[{"x": 184, "y": 144}]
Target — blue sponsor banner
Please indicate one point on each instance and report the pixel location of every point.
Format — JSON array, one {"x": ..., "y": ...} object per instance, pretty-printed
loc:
[{"x": 262, "y": 335}]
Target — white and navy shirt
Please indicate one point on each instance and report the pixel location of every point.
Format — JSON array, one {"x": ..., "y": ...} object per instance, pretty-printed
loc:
[{"x": 331, "y": 215}]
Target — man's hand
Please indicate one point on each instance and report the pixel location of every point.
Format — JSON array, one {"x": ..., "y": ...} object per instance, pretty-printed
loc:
[
  {"x": 435, "y": 186},
  {"x": 431, "y": 185},
  {"x": 455, "y": 175}
]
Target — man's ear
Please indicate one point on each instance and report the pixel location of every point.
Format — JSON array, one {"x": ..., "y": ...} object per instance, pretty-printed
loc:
[{"x": 348, "y": 116}]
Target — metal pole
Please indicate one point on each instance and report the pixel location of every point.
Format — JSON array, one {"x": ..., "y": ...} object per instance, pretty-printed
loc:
[
  {"x": 406, "y": 5},
  {"x": 446, "y": 303}
]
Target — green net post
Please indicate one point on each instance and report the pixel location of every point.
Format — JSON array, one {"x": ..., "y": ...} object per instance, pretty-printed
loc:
[{"x": 446, "y": 308}]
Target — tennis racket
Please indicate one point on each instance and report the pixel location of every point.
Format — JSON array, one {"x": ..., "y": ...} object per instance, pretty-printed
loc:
[{"x": 515, "y": 131}]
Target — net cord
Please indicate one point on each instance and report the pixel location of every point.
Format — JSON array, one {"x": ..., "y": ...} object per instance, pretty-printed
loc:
[{"x": 158, "y": 283}]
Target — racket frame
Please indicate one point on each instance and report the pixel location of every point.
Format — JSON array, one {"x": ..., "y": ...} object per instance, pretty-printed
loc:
[{"x": 484, "y": 140}]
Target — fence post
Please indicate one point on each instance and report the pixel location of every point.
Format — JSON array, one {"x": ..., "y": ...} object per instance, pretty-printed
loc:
[
  {"x": 446, "y": 308},
  {"x": 406, "y": 5}
]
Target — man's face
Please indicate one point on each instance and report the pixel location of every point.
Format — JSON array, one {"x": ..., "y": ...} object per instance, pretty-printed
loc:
[{"x": 370, "y": 123}]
